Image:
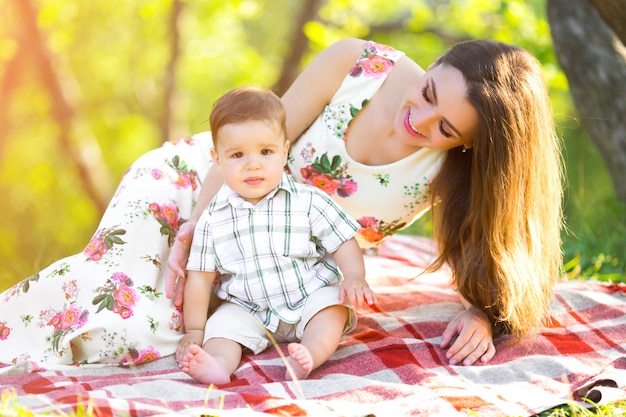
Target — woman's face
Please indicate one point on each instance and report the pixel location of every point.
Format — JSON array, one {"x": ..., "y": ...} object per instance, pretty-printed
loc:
[{"x": 436, "y": 113}]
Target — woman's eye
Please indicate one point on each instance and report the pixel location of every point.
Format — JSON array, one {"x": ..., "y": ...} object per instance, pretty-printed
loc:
[
  {"x": 443, "y": 131},
  {"x": 425, "y": 94}
]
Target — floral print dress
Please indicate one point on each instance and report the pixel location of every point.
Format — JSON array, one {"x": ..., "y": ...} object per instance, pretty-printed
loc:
[
  {"x": 385, "y": 198},
  {"x": 107, "y": 304}
]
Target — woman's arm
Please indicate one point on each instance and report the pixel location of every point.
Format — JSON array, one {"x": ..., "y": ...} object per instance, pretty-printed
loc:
[
  {"x": 177, "y": 260},
  {"x": 317, "y": 84}
]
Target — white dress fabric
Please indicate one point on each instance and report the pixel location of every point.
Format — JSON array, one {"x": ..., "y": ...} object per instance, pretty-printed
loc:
[
  {"x": 107, "y": 305},
  {"x": 383, "y": 199}
]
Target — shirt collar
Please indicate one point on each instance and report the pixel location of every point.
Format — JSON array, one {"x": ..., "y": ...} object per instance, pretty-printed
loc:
[{"x": 225, "y": 195}]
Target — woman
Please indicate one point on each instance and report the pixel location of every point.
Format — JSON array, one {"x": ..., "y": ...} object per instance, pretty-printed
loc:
[{"x": 474, "y": 135}]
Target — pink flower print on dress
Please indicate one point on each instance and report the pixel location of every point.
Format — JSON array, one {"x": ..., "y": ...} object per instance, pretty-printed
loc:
[
  {"x": 5, "y": 331},
  {"x": 136, "y": 357},
  {"x": 69, "y": 318},
  {"x": 376, "y": 66},
  {"x": 180, "y": 175},
  {"x": 347, "y": 187},
  {"x": 117, "y": 295},
  {"x": 167, "y": 216},
  {"x": 157, "y": 174},
  {"x": 124, "y": 296},
  {"x": 186, "y": 140},
  {"x": 102, "y": 242},
  {"x": 373, "y": 62},
  {"x": 64, "y": 322}
]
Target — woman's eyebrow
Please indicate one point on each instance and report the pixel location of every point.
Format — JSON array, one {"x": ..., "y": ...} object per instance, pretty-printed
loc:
[{"x": 433, "y": 87}]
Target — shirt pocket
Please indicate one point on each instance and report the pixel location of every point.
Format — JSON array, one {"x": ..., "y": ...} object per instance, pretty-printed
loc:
[{"x": 290, "y": 236}]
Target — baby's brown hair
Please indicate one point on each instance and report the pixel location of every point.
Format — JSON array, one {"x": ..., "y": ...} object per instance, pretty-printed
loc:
[{"x": 245, "y": 104}]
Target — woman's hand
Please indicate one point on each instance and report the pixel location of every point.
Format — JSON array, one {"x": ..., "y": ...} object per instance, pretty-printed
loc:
[
  {"x": 177, "y": 262},
  {"x": 356, "y": 292},
  {"x": 472, "y": 335},
  {"x": 192, "y": 337}
]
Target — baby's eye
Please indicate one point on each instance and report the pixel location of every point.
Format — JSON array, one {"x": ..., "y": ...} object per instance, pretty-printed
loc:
[
  {"x": 237, "y": 155},
  {"x": 266, "y": 152}
]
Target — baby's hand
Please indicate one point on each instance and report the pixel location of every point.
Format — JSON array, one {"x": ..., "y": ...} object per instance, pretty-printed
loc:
[{"x": 356, "y": 292}]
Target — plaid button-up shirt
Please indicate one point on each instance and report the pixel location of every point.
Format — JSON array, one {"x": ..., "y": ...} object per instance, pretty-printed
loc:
[{"x": 271, "y": 255}]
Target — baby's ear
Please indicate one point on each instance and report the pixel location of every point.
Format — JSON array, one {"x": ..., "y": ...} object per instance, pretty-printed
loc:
[
  {"x": 287, "y": 144},
  {"x": 215, "y": 156}
]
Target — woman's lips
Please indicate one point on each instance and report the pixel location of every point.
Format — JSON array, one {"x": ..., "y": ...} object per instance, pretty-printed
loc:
[{"x": 409, "y": 126}]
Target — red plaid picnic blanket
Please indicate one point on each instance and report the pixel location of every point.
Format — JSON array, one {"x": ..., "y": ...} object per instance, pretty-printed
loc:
[{"x": 391, "y": 365}]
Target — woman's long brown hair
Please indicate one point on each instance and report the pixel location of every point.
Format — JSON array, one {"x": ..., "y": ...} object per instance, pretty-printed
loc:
[{"x": 498, "y": 210}]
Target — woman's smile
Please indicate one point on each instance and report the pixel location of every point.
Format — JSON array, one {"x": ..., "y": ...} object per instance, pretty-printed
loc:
[{"x": 409, "y": 125}]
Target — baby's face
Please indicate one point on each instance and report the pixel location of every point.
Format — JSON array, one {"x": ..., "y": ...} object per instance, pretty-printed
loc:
[{"x": 251, "y": 156}]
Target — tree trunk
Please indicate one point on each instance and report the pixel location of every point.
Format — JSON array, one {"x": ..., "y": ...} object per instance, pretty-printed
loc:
[
  {"x": 62, "y": 112},
  {"x": 291, "y": 66},
  {"x": 613, "y": 12},
  {"x": 594, "y": 61},
  {"x": 167, "y": 118},
  {"x": 12, "y": 72}
]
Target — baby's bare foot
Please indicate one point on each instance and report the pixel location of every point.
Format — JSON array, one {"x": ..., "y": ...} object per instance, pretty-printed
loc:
[
  {"x": 300, "y": 360},
  {"x": 203, "y": 367}
]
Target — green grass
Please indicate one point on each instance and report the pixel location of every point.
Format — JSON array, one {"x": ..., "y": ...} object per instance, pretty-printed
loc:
[
  {"x": 10, "y": 407},
  {"x": 614, "y": 409}
]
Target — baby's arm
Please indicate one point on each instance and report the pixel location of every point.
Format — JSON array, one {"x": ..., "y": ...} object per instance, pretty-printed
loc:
[
  {"x": 198, "y": 289},
  {"x": 354, "y": 287}
]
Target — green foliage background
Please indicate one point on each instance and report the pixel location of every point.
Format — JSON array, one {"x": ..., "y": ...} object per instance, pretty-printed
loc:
[{"x": 112, "y": 57}]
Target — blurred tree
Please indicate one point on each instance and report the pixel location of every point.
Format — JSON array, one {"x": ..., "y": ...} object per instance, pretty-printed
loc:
[
  {"x": 62, "y": 111},
  {"x": 122, "y": 77},
  {"x": 299, "y": 45},
  {"x": 589, "y": 38}
]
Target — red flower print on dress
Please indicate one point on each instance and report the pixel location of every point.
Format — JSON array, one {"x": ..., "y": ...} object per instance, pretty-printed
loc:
[
  {"x": 5, "y": 331},
  {"x": 117, "y": 295},
  {"x": 329, "y": 176},
  {"x": 102, "y": 242},
  {"x": 374, "y": 230},
  {"x": 167, "y": 216}
]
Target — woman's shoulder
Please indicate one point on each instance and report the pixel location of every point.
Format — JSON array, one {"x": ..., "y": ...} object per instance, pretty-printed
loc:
[{"x": 371, "y": 56}]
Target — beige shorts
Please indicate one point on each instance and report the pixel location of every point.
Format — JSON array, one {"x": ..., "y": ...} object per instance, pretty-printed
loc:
[{"x": 233, "y": 322}]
